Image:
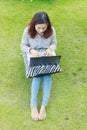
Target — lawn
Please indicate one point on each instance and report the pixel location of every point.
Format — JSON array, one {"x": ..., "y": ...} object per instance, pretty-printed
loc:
[{"x": 67, "y": 109}]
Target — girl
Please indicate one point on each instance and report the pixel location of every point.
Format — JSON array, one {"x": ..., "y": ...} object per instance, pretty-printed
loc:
[{"x": 39, "y": 39}]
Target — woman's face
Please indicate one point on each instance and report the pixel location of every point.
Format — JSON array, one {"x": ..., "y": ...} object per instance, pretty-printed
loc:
[{"x": 41, "y": 28}]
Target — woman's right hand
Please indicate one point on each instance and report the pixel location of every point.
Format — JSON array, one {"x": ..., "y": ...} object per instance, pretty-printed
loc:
[{"x": 34, "y": 53}]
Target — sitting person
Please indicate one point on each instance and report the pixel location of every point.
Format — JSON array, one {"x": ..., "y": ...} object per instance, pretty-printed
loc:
[{"x": 39, "y": 38}]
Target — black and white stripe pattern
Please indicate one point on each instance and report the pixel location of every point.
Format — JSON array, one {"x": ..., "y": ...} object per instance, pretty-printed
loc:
[{"x": 42, "y": 70}]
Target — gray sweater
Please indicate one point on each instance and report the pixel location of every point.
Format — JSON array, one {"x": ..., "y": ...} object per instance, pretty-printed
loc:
[{"x": 38, "y": 43}]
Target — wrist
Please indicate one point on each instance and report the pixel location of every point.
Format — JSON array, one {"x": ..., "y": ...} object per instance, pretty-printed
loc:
[
  {"x": 50, "y": 49},
  {"x": 30, "y": 50}
]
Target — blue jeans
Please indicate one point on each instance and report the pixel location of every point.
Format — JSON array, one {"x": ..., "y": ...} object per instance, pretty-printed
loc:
[{"x": 46, "y": 89}]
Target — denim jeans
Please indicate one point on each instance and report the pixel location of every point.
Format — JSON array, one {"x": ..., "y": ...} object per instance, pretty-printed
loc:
[{"x": 35, "y": 88}]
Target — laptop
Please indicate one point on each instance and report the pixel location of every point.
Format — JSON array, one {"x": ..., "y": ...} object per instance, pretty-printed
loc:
[{"x": 45, "y": 60}]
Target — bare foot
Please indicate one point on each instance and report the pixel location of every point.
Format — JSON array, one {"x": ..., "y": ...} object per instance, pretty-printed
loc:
[
  {"x": 34, "y": 113},
  {"x": 42, "y": 114}
]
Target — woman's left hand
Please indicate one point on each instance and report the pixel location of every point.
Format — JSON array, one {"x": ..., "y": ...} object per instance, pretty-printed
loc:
[{"x": 48, "y": 52}]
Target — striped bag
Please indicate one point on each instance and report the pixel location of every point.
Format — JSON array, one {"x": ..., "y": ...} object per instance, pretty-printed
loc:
[{"x": 43, "y": 66}]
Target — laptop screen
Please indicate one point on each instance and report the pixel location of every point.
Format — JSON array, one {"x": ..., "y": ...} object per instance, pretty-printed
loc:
[{"x": 50, "y": 60}]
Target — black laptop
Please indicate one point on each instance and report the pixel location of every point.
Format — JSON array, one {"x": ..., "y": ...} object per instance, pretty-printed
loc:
[{"x": 45, "y": 60}]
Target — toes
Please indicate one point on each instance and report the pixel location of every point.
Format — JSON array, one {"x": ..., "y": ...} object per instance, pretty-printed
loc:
[
  {"x": 42, "y": 116},
  {"x": 34, "y": 119}
]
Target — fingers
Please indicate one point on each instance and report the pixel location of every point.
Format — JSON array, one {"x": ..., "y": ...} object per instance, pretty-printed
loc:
[
  {"x": 48, "y": 52},
  {"x": 34, "y": 53}
]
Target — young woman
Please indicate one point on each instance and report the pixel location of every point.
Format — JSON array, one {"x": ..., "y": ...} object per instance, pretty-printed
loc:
[{"x": 39, "y": 39}]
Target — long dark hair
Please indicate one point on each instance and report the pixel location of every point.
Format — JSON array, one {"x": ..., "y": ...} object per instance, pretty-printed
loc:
[{"x": 40, "y": 18}]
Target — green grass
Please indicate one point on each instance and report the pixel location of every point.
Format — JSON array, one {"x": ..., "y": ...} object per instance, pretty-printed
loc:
[{"x": 67, "y": 109}]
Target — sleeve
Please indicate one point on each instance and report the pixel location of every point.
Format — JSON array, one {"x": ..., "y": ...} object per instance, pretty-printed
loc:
[
  {"x": 53, "y": 40},
  {"x": 25, "y": 47}
]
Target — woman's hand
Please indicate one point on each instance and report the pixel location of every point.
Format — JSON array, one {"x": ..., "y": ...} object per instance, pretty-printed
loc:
[
  {"x": 48, "y": 52},
  {"x": 34, "y": 53}
]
